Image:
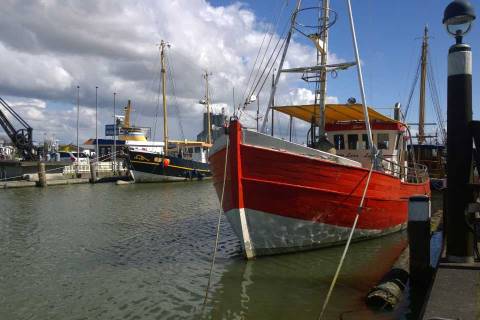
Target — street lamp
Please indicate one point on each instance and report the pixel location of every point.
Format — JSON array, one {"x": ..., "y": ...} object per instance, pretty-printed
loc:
[{"x": 458, "y": 18}]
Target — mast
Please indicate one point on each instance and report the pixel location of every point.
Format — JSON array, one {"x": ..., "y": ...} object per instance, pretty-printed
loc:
[
  {"x": 163, "y": 44},
  {"x": 207, "y": 101},
  {"x": 360, "y": 83},
  {"x": 423, "y": 77},
  {"x": 322, "y": 55},
  {"x": 273, "y": 100},
  {"x": 126, "y": 121}
]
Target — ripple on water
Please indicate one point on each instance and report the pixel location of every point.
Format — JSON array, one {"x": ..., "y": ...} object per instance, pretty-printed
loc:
[{"x": 144, "y": 252}]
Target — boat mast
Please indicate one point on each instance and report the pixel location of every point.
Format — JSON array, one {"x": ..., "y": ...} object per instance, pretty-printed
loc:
[
  {"x": 360, "y": 83},
  {"x": 207, "y": 101},
  {"x": 423, "y": 77},
  {"x": 322, "y": 56},
  {"x": 163, "y": 44},
  {"x": 126, "y": 121}
]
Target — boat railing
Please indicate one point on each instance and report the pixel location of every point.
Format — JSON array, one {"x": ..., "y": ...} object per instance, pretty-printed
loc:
[{"x": 418, "y": 173}]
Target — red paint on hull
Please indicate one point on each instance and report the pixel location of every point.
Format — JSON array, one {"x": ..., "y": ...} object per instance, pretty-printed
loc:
[{"x": 311, "y": 189}]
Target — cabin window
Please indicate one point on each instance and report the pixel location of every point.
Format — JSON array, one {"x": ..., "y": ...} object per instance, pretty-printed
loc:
[
  {"x": 434, "y": 153},
  {"x": 365, "y": 144},
  {"x": 339, "y": 141},
  {"x": 197, "y": 149},
  {"x": 352, "y": 140},
  {"x": 382, "y": 141}
]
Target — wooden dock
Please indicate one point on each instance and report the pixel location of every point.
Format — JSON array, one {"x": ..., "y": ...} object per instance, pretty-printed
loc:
[{"x": 455, "y": 293}]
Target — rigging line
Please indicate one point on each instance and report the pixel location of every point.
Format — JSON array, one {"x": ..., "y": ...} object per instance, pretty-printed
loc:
[
  {"x": 408, "y": 75},
  {"x": 282, "y": 60},
  {"x": 271, "y": 67},
  {"x": 257, "y": 80},
  {"x": 220, "y": 211},
  {"x": 436, "y": 107},
  {"x": 174, "y": 96},
  {"x": 265, "y": 54},
  {"x": 150, "y": 87},
  {"x": 431, "y": 85},
  {"x": 261, "y": 46},
  {"x": 412, "y": 89},
  {"x": 435, "y": 92},
  {"x": 347, "y": 245}
]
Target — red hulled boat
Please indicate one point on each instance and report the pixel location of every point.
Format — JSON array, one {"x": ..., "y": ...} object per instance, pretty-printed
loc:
[
  {"x": 283, "y": 197},
  {"x": 280, "y": 196}
]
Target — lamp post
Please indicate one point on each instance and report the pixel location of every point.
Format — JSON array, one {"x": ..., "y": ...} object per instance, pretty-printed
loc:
[
  {"x": 96, "y": 125},
  {"x": 78, "y": 125},
  {"x": 458, "y": 18}
]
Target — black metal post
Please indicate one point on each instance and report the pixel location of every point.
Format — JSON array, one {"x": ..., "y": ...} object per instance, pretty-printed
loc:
[
  {"x": 419, "y": 214},
  {"x": 459, "y": 155}
]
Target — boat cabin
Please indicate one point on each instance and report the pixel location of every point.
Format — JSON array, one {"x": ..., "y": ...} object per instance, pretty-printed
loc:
[
  {"x": 351, "y": 141},
  {"x": 189, "y": 150},
  {"x": 345, "y": 129}
]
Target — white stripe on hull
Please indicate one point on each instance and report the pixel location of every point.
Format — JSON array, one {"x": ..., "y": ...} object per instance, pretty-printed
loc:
[
  {"x": 140, "y": 176},
  {"x": 273, "y": 234}
]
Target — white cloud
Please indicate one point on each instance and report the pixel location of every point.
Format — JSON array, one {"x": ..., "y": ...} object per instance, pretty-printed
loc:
[{"x": 49, "y": 47}]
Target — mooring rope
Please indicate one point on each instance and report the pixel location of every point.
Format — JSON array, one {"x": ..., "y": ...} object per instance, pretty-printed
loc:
[
  {"x": 347, "y": 245},
  {"x": 220, "y": 211}
]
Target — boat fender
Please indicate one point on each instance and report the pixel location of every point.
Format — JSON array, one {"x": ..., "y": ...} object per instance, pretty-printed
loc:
[
  {"x": 389, "y": 291},
  {"x": 166, "y": 162}
]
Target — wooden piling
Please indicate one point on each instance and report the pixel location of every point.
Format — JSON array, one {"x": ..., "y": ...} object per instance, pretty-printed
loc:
[
  {"x": 42, "y": 176},
  {"x": 93, "y": 172}
]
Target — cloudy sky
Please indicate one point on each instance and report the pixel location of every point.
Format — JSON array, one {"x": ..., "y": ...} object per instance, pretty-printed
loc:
[{"x": 49, "y": 47}]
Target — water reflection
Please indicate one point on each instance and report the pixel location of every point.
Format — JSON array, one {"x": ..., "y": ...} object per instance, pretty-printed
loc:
[{"x": 294, "y": 286}]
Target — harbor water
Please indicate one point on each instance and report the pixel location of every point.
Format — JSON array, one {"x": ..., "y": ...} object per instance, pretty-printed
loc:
[{"x": 143, "y": 251}]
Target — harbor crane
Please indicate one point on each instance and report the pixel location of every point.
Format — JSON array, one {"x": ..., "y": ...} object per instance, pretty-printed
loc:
[{"x": 22, "y": 137}]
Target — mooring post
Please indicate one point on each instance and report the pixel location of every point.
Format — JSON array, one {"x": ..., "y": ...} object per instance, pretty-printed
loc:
[
  {"x": 93, "y": 172},
  {"x": 419, "y": 214},
  {"x": 42, "y": 176}
]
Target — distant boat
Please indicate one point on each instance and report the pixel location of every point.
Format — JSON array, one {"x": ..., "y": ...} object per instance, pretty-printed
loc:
[
  {"x": 284, "y": 197},
  {"x": 178, "y": 161}
]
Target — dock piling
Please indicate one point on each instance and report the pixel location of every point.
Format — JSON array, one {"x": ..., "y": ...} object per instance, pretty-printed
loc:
[
  {"x": 93, "y": 172},
  {"x": 42, "y": 177}
]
